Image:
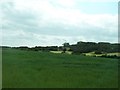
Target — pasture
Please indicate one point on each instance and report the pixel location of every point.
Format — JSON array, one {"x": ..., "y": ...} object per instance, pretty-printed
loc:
[
  {"x": 32, "y": 69},
  {"x": 0, "y": 68}
]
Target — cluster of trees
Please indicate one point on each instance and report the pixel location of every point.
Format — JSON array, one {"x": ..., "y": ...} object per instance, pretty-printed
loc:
[
  {"x": 78, "y": 48},
  {"x": 98, "y": 48},
  {"x": 47, "y": 48},
  {"x": 39, "y": 48}
]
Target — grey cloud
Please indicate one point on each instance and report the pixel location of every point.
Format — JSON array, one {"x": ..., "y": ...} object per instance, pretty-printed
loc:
[
  {"x": 22, "y": 28},
  {"x": 14, "y": 19}
]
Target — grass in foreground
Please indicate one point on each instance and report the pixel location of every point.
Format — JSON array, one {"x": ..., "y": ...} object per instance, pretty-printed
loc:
[{"x": 30, "y": 69}]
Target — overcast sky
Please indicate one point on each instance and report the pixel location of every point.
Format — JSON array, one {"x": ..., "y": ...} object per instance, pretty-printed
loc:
[{"x": 53, "y": 22}]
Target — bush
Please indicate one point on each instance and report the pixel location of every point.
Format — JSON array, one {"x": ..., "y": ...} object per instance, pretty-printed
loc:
[
  {"x": 98, "y": 52},
  {"x": 110, "y": 56},
  {"x": 77, "y": 53}
]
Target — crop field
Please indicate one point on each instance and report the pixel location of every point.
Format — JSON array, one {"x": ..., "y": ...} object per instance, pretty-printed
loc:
[
  {"x": 32, "y": 69},
  {"x": 0, "y": 68}
]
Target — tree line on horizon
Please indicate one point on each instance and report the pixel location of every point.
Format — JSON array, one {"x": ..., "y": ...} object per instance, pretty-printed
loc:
[{"x": 79, "y": 47}]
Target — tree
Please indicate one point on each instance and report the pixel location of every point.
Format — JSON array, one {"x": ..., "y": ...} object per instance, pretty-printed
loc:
[
  {"x": 66, "y": 44},
  {"x": 65, "y": 47}
]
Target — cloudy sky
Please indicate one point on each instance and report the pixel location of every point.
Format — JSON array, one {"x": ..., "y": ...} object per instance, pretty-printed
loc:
[{"x": 53, "y": 22}]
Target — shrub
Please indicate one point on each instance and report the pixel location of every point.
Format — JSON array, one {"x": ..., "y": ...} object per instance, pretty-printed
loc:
[{"x": 98, "y": 52}]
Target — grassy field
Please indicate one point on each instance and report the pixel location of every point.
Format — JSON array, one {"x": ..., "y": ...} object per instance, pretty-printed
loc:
[
  {"x": 0, "y": 68},
  {"x": 31, "y": 69}
]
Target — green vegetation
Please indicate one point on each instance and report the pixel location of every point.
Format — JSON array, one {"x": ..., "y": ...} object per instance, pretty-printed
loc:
[
  {"x": 67, "y": 52},
  {"x": 93, "y": 54},
  {"x": 0, "y": 68},
  {"x": 31, "y": 69},
  {"x": 100, "y": 49}
]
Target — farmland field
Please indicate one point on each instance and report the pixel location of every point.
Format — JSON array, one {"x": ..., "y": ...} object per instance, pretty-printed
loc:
[
  {"x": 0, "y": 68},
  {"x": 32, "y": 69}
]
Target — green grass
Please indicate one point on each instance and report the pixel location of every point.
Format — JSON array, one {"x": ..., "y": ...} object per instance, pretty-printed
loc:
[
  {"x": 0, "y": 68},
  {"x": 30, "y": 69}
]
